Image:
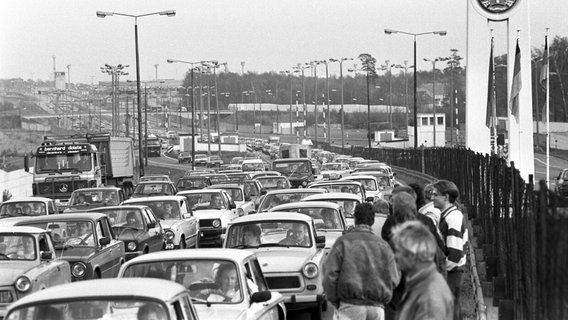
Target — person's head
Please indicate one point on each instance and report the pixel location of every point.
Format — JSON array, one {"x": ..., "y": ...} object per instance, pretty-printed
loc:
[
  {"x": 300, "y": 231},
  {"x": 81, "y": 198},
  {"x": 418, "y": 190},
  {"x": 49, "y": 313},
  {"x": 445, "y": 194},
  {"x": 252, "y": 235},
  {"x": 168, "y": 207},
  {"x": 216, "y": 199},
  {"x": 428, "y": 189},
  {"x": 348, "y": 206},
  {"x": 406, "y": 189},
  {"x": 28, "y": 244},
  {"x": 415, "y": 246},
  {"x": 132, "y": 218},
  {"x": 226, "y": 277},
  {"x": 280, "y": 184},
  {"x": 345, "y": 189},
  {"x": 364, "y": 214},
  {"x": 383, "y": 182},
  {"x": 329, "y": 218},
  {"x": 27, "y": 210},
  {"x": 151, "y": 311},
  {"x": 84, "y": 227},
  {"x": 381, "y": 206},
  {"x": 403, "y": 207}
]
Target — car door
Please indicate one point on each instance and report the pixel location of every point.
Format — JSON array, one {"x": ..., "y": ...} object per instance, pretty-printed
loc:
[
  {"x": 112, "y": 254},
  {"x": 190, "y": 224},
  {"x": 231, "y": 213},
  {"x": 155, "y": 234},
  {"x": 56, "y": 271},
  {"x": 254, "y": 282}
]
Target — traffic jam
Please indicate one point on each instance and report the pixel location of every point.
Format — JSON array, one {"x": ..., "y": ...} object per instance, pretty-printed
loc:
[{"x": 242, "y": 240}]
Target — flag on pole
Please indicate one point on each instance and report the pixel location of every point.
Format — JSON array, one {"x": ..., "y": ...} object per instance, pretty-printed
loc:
[
  {"x": 517, "y": 85},
  {"x": 490, "y": 91}
]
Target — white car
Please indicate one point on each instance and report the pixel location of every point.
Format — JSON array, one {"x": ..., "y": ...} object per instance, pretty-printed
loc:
[
  {"x": 27, "y": 206},
  {"x": 198, "y": 269},
  {"x": 347, "y": 201},
  {"x": 370, "y": 183},
  {"x": 239, "y": 196},
  {"x": 214, "y": 209},
  {"x": 334, "y": 170},
  {"x": 180, "y": 226}
]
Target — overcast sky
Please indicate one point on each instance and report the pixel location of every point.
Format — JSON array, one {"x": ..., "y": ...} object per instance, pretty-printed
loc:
[{"x": 269, "y": 35}]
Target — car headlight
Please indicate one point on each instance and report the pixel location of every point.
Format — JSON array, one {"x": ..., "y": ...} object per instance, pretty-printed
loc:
[
  {"x": 169, "y": 234},
  {"x": 78, "y": 269},
  {"x": 310, "y": 270},
  {"x": 131, "y": 246},
  {"x": 304, "y": 183},
  {"x": 216, "y": 223},
  {"x": 23, "y": 284}
]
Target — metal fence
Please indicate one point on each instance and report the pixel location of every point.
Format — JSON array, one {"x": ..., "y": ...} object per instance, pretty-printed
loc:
[{"x": 523, "y": 232}]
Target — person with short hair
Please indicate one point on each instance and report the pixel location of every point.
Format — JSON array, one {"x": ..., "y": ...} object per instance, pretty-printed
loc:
[
  {"x": 228, "y": 281},
  {"x": 133, "y": 220},
  {"x": 426, "y": 293},
  {"x": 428, "y": 209},
  {"x": 151, "y": 311},
  {"x": 360, "y": 273},
  {"x": 251, "y": 235},
  {"x": 454, "y": 233},
  {"x": 298, "y": 236},
  {"x": 216, "y": 201}
]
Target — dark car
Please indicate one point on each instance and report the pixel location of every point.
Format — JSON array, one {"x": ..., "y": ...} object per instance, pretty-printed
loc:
[
  {"x": 184, "y": 157},
  {"x": 89, "y": 198},
  {"x": 154, "y": 188},
  {"x": 218, "y": 178},
  {"x": 238, "y": 177},
  {"x": 84, "y": 239},
  {"x": 201, "y": 159},
  {"x": 562, "y": 183},
  {"x": 193, "y": 183},
  {"x": 137, "y": 227},
  {"x": 215, "y": 161}
]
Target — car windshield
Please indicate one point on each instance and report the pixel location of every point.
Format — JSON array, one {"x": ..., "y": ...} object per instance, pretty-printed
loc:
[
  {"x": 101, "y": 308},
  {"x": 152, "y": 178},
  {"x": 153, "y": 189},
  {"x": 331, "y": 167},
  {"x": 191, "y": 184},
  {"x": 339, "y": 187},
  {"x": 368, "y": 184},
  {"x": 218, "y": 179},
  {"x": 94, "y": 197},
  {"x": 124, "y": 219},
  {"x": 253, "y": 167},
  {"x": 272, "y": 200},
  {"x": 288, "y": 168},
  {"x": 163, "y": 209},
  {"x": 251, "y": 188},
  {"x": 17, "y": 247},
  {"x": 239, "y": 177},
  {"x": 69, "y": 233},
  {"x": 272, "y": 182},
  {"x": 269, "y": 233},
  {"x": 208, "y": 280},
  {"x": 22, "y": 208},
  {"x": 235, "y": 193},
  {"x": 324, "y": 218},
  {"x": 204, "y": 201}
]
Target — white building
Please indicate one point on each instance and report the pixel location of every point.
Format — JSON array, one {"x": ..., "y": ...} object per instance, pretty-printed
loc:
[{"x": 426, "y": 130}]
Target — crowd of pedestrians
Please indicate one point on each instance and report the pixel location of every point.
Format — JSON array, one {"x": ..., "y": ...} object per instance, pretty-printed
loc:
[{"x": 412, "y": 268}]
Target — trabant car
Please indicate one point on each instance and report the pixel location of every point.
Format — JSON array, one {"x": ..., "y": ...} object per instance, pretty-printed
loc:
[
  {"x": 88, "y": 198},
  {"x": 274, "y": 182},
  {"x": 334, "y": 170},
  {"x": 155, "y": 177},
  {"x": 180, "y": 226},
  {"x": 370, "y": 183},
  {"x": 239, "y": 196},
  {"x": 328, "y": 217},
  {"x": 246, "y": 296},
  {"x": 255, "y": 190},
  {"x": 28, "y": 264},
  {"x": 238, "y": 177},
  {"x": 214, "y": 208},
  {"x": 385, "y": 182},
  {"x": 154, "y": 188},
  {"x": 342, "y": 186},
  {"x": 381, "y": 167},
  {"x": 27, "y": 206},
  {"x": 137, "y": 227},
  {"x": 84, "y": 239},
  {"x": 215, "y": 161},
  {"x": 201, "y": 159},
  {"x": 217, "y": 178},
  {"x": 278, "y": 197},
  {"x": 252, "y": 165},
  {"x": 193, "y": 183},
  {"x": 347, "y": 201},
  {"x": 255, "y": 175},
  {"x": 109, "y": 299},
  {"x": 290, "y": 253}
]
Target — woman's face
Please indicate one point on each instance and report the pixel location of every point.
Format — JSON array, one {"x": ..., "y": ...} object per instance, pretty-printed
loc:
[{"x": 228, "y": 280}]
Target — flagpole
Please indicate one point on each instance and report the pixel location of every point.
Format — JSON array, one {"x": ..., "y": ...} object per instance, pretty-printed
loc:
[
  {"x": 493, "y": 104},
  {"x": 547, "y": 111}
]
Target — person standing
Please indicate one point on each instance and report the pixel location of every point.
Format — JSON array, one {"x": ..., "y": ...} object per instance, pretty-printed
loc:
[
  {"x": 428, "y": 208},
  {"x": 454, "y": 233},
  {"x": 360, "y": 272},
  {"x": 426, "y": 293}
]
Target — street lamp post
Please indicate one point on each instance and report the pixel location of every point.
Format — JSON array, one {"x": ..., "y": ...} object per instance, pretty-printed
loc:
[
  {"x": 115, "y": 72},
  {"x": 441, "y": 33},
  {"x": 169, "y": 13},
  {"x": 434, "y": 93},
  {"x": 405, "y": 67},
  {"x": 314, "y": 65},
  {"x": 341, "y": 84}
]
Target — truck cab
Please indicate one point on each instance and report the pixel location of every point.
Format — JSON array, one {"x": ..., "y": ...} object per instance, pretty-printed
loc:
[{"x": 299, "y": 171}]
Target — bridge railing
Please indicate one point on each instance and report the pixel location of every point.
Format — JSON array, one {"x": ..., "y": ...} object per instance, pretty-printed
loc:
[{"x": 523, "y": 232}]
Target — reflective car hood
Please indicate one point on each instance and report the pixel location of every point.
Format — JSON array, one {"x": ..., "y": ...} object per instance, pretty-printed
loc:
[
  {"x": 167, "y": 224},
  {"x": 281, "y": 259},
  {"x": 131, "y": 234},
  {"x": 77, "y": 253},
  {"x": 10, "y": 270},
  {"x": 208, "y": 213},
  {"x": 83, "y": 207},
  {"x": 220, "y": 311}
]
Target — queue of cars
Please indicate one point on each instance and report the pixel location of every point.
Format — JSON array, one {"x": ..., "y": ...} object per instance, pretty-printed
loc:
[{"x": 271, "y": 231}]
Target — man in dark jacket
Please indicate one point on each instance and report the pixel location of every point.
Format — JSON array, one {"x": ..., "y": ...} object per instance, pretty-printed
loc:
[{"x": 360, "y": 272}]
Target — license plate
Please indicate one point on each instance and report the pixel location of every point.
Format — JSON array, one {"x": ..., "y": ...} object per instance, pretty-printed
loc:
[{"x": 169, "y": 246}]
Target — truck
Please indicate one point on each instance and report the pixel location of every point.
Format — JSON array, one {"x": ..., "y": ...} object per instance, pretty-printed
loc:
[
  {"x": 294, "y": 150},
  {"x": 299, "y": 171},
  {"x": 63, "y": 164},
  {"x": 153, "y": 145}
]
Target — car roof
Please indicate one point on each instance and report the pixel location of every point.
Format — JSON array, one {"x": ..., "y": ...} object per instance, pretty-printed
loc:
[
  {"x": 213, "y": 253},
  {"x": 291, "y": 160},
  {"x": 311, "y": 204},
  {"x": 64, "y": 216},
  {"x": 155, "y": 176},
  {"x": 323, "y": 183},
  {"x": 23, "y": 199},
  {"x": 155, "y": 182},
  {"x": 153, "y": 199},
  {"x": 207, "y": 190},
  {"x": 302, "y": 190},
  {"x": 367, "y": 173},
  {"x": 265, "y": 216},
  {"x": 361, "y": 176},
  {"x": 332, "y": 196},
  {"x": 164, "y": 290},
  {"x": 21, "y": 229},
  {"x": 98, "y": 189},
  {"x": 121, "y": 207},
  {"x": 225, "y": 185}
]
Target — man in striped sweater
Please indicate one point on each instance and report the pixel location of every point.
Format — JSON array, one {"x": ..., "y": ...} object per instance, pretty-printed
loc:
[{"x": 454, "y": 233}]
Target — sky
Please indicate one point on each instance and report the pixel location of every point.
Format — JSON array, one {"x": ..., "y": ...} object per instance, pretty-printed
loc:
[{"x": 268, "y": 35}]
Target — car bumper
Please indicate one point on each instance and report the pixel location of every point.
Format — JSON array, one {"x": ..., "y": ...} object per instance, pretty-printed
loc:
[
  {"x": 210, "y": 237},
  {"x": 301, "y": 302}
]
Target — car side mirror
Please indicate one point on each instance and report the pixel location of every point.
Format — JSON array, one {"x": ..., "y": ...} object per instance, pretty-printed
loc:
[
  {"x": 27, "y": 164},
  {"x": 104, "y": 241},
  {"x": 187, "y": 215},
  {"x": 232, "y": 205},
  {"x": 263, "y": 191},
  {"x": 151, "y": 225},
  {"x": 46, "y": 255},
  {"x": 394, "y": 174},
  {"x": 320, "y": 241},
  {"x": 370, "y": 199},
  {"x": 247, "y": 198},
  {"x": 261, "y": 296}
]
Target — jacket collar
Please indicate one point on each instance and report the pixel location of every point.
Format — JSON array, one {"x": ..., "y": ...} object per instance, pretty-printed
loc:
[{"x": 362, "y": 228}]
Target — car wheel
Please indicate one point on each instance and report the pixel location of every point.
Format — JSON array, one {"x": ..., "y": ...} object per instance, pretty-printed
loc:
[{"x": 182, "y": 244}]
